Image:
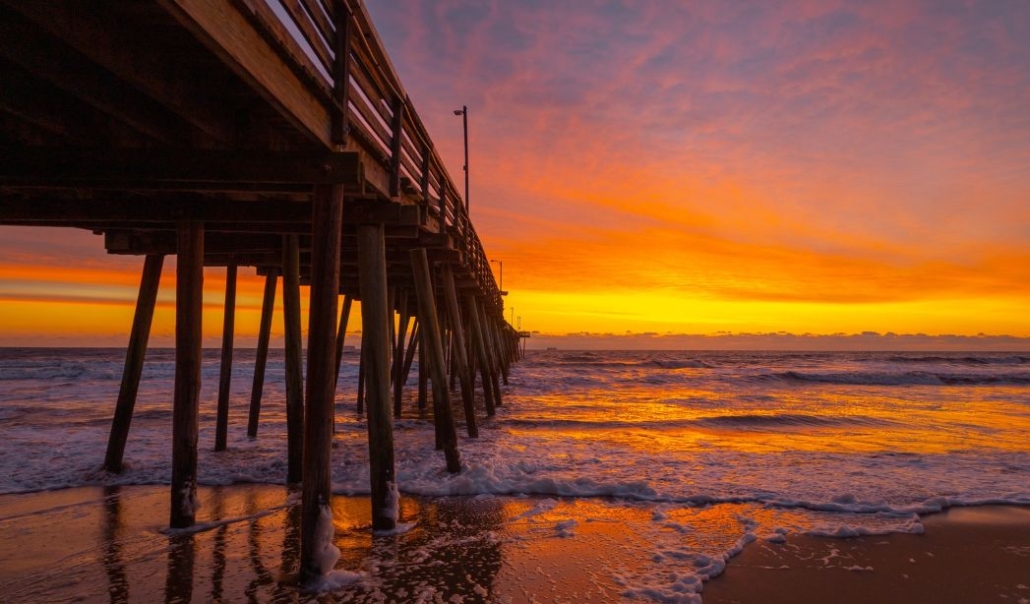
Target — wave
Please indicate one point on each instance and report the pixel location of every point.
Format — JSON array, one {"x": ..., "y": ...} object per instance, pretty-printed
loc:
[
  {"x": 963, "y": 360},
  {"x": 607, "y": 360},
  {"x": 908, "y": 378},
  {"x": 676, "y": 364},
  {"x": 752, "y": 421},
  {"x": 790, "y": 420}
]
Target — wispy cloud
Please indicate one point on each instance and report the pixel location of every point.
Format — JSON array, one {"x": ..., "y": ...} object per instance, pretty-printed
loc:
[{"x": 808, "y": 165}]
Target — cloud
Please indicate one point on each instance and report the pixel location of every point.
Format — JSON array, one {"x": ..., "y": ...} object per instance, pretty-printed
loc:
[{"x": 652, "y": 165}]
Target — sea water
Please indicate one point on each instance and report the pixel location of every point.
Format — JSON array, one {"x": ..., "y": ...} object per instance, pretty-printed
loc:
[{"x": 716, "y": 449}]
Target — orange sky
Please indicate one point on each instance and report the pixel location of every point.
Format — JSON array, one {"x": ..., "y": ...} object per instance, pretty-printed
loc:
[{"x": 673, "y": 167}]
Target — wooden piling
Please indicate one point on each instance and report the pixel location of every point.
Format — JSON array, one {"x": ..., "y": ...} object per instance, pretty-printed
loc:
[
  {"x": 326, "y": 227},
  {"x": 409, "y": 352},
  {"x": 225, "y": 370},
  {"x": 423, "y": 373},
  {"x": 341, "y": 332},
  {"x": 399, "y": 376},
  {"x": 437, "y": 365},
  {"x": 481, "y": 352},
  {"x": 501, "y": 348},
  {"x": 134, "y": 356},
  {"x": 261, "y": 354},
  {"x": 362, "y": 364},
  {"x": 294, "y": 359},
  {"x": 375, "y": 317},
  {"x": 189, "y": 307},
  {"x": 458, "y": 348},
  {"x": 491, "y": 354}
]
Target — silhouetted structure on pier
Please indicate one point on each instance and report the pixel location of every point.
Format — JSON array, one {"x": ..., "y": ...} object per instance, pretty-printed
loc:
[{"x": 265, "y": 133}]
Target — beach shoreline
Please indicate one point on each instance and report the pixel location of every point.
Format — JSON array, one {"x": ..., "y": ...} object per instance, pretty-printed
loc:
[{"x": 110, "y": 544}]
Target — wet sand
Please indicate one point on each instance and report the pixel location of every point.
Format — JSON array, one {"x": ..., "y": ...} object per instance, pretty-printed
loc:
[
  {"x": 97, "y": 544},
  {"x": 978, "y": 554}
]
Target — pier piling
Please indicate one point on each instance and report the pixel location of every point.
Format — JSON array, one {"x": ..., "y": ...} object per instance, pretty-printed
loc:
[
  {"x": 134, "y": 355},
  {"x": 479, "y": 341},
  {"x": 261, "y": 354},
  {"x": 375, "y": 316},
  {"x": 341, "y": 333},
  {"x": 189, "y": 306},
  {"x": 437, "y": 365},
  {"x": 327, "y": 216},
  {"x": 460, "y": 356},
  {"x": 399, "y": 375},
  {"x": 225, "y": 369},
  {"x": 491, "y": 354},
  {"x": 294, "y": 359}
]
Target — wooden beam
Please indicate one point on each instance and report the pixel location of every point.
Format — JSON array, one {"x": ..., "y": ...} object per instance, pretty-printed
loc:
[
  {"x": 398, "y": 357},
  {"x": 103, "y": 37},
  {"x": 229, "y": 34},
  {"x": 68, "y": 70},
  {"x": 138, "y": 241},
  {"x": 341, "y": 73},
  {"x": 261, "y": 355},
  {"x": 375, "y": 327},
  {"x": 437, "y": 365},
  {"x": 409, "y": 353},
  {"x": 458, "y": 347},
  {"x": 294, "y": 360},
  {"x": 290, "y": 49},
  {"x": 141, "y": 211},
  {"x": 189, "y": 168},
  {"x": 395, "y": 146},
  {"x": 362, "y": 367},
  {"x": 189, "y": 306},
  {"x": 134, "y": 355},
  {"x": 68, "y": 120},
  {"x": 389, "y": 213},
  {"x": 225, "y": 370},
  {"x": 316, "y": 513},
  {"x": 491, "y": 350},
  {"x": 423, "y": 373},
  {"x": 341, "y": 332},
  {"x": 479, "y": 343}
]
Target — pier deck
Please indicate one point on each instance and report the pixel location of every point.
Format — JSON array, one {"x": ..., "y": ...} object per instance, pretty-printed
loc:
[{"x": 272, "y": 134}]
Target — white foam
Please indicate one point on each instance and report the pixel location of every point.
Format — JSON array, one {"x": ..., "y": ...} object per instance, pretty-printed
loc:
[{"x": 325, "y": 551}]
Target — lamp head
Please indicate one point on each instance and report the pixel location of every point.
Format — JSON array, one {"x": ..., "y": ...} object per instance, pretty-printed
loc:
[{"x": 459, "y": 112}]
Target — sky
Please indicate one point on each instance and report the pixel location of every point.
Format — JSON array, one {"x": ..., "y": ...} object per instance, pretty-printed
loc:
[{"x": 653, "y": 171}]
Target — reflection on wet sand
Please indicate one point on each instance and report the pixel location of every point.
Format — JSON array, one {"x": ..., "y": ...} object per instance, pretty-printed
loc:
[
  {"x": 245, "y": 547},
  {"x": 118, "y": 581},
  {"x": 453, "y": 548},
  {"x": 179, "y": 580},
  {"x": 218, "y": 555}
]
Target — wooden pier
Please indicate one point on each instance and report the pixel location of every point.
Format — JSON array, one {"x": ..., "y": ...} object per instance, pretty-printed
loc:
[{"x": 272, "y": 134}]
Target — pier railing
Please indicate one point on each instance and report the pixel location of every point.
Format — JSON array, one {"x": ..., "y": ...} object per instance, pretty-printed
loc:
[{"x": 333, "y": 47}]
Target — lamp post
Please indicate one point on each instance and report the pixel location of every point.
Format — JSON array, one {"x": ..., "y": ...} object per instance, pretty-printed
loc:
[
  {"x": 500, "y": 284},
  {"x": 464, "y": 113}
]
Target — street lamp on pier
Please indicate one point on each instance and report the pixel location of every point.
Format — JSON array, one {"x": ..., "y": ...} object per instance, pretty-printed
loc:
[
  {"x": 500, "y": 281},
  {"x": 464, "y": 113}
]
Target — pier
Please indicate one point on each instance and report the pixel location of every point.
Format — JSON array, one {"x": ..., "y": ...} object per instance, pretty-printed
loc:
[{"x": 272, "y": 134}]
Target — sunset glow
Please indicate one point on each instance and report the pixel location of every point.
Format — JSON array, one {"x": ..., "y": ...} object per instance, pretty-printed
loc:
[{"x": 684, "y": 168}]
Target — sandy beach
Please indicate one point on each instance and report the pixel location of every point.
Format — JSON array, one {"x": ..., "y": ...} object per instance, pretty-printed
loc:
[
  {"x": 976, "y": 554},
  {"x": 95, "y": 544}
]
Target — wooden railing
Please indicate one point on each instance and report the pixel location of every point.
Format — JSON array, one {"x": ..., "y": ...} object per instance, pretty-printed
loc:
[{"x": 333, "y": 47}]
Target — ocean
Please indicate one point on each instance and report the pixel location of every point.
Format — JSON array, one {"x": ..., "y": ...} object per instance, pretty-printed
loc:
[{"x": 712, "y": 449}]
